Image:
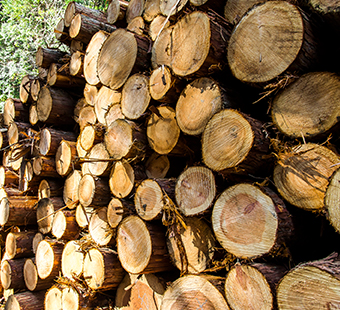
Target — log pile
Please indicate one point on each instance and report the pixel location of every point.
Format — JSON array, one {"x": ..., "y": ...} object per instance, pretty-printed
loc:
[{"x": 182, "y": 154}]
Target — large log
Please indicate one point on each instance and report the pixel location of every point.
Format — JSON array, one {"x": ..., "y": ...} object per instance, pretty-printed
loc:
[
  {"x": 120, "y": 54},
  {"x": 195, "y": 190},
  {"x": 102, "y": 269},
  {"x": 46, "y": 209},
  {"x": 32, "y": 280},
  {"x": 15, "y": 110},
  {"x": 193, "y": 292},
  {"x": 65, "y": 158},
  {"x": 312, "y": 284},
  {"x": 302, "y": 175},
  {"x": 272, "y": 38},
  {"x": 72, "y": 260},
  {"x": 70, "y": 193},
  {"x": 315, "y": 110},
  {"x": 249, "y": 222},
  {"x": 122, "y": 179},
  {"x": 26, "y": 301},
  {"x": 141, "y": 246},
  {"x": 12, "y": 276},
  {"x": 19, "y": 244},
  {"x": 64, "y": 226},
  {"x": 234, "y": 143},
  {"x": 198, "y": 44},
  {"x": 93, "y": 191}
]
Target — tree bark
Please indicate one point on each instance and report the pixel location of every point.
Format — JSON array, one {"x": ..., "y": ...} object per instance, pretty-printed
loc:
[
  {"x": 195, "y": 190},
  {"x": 15, "y": 110},
  {"x": 19, "y": 244},
  {"x": 48, "y": 258},
  {"x": 93, "y": 191},
  {"x": 64, "y": 226},
  {"x": 141, "y": 246},
  {"x": 311, "y": 284},
  {"x": 83, "y": 27},
  {"x": 234, "y": 143},
  {"x": 50, "y": 188},
  {"x": 12, "y": 276},
  {"x": 135, "y": 96},
  {"x": 46, "y": 56},
  {"x": 46, "y": 209},
  {"x": 32, "y": 280},
  {"x": 26, "y": 301},
  {"x": 45, "y": 167},
  {"x": 102, "y": 269}
]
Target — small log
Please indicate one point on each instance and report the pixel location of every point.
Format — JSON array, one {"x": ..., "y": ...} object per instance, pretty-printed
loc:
[
  {"x": 195, "y": 190},
  {"x": 157, "y": 25},
  {"x": 157, "y": 166},
  {"x": 37, "y": 238},
  {"x": 149, "y": 197},
  {"x": 198, "y": 102},
  {"x": 117, "y": 210},
  {"x": 91, "y": 57},
  {"x": 141, "y": 246},
  {"x": 61, "y": 32},
  {"x": 162, "y": 130},
  {"x": 59, "y": 76},
  {"x": 114, "y": 112},
  {"x": 50, "y": 140},
  {"x": 81, "y": 153},
  {"x": 87, "y": 115},
  {"x": 90, "y": 136},
  {"x": 32, "y": 280},
  {"x": 45, "y": 167},
  {"x": 250, "y": 222},
  {"x": 17, "y": 131},
  {"x": 81, "y": 103},
  {"x": 35, "y": 88},
  {"x": 50, "y": 188},
  {"x": 65, "y": 158},
  {"x": 125, "y": 139},
  {"x": 244, "y": 279},
  {"x": 8, "y": 178},
  {"x": 93, "y": 191},
  {"x": 72, "y": 260},
  {"x": 15, "y": 110},
  {"x": 19, "y": 244},
  {"x": 18, "y": 211},
  {"x": 102, "y": 269},
  {"x": 12, "y": 276},
  {"x": 25, "y": 89},
  {"x": 151, "y": 10},
  {"x": 134, "y": 9},
  {"x": 76, "y": 63},
  {"x": 26, "y": 301},
  {"x": 33, "y": 114},
  {"x": 105, "y": 98},
  {"x": 312, "y": 284},
  {"x": 90, "y": 94},
  {"x": 70, "y": 194},
  {"x": 53, "y": 298},
  {"x": 122, "y": 179},
  {"x": 46, "y": 209},
  {"x": 83, "y": 27},
  {"x": 46, "y": 56},
  {"x": 198, "y": 44},
  {"x": 288, "y": 45},
  {"x": 135, "y": 96},
  {"x": 121, "y": 54},
  {"x": 99, "y": 228},
  {"x": 191, "y": 247},
  {"x": 234, "y": 143},
  {"x": 74, "y": 299},
  {"x": 55, "y": 106},
  {"x": 74, "y": 8},
  {"x": 133, "y": 287},
  {"x": 315, "y": 110},
  {"x": 192, "y": 292},
  {"x": 64, "y": 226},
  {"x": 48, "y": 258},
  {"x": 302, "y": 175},
  {"x": 136, "y": 25},
  {"x": 83, "y": 215},
  {"x": 172, "y": 7},
  {"x": 97, "y": 161},
  {"x": 115, "y": 11}
]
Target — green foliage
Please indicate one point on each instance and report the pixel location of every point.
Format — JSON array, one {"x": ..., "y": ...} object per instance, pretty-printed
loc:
[{"x": 24, "y": 26}]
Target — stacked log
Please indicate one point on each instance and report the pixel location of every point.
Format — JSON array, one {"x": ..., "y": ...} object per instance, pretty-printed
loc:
[{"x": 138, "y": 168}]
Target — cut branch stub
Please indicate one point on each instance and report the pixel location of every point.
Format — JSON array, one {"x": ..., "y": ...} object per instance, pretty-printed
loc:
[
  {"x": 135, "y": 96},
  {"x": 316, "y": 98},
  {"x": 192, "y": 292},
  {"x": 245, "y": 221},
  {"x": 271, "y": 38},
  {"x": 199, "y": 101},
  {"x": 244, "y": 279},
  {"x": 195, "y": 190},
  {"x": 302, "y": 175},
  {"x": 234, "y": 143},
  {"x": 102, "y": 269},
  {"x": 141, "y": 246},
  {"x": 311, "y": 285},
  {"x": 191, "y": 248},
  {"x": 162, "y": 130}
]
